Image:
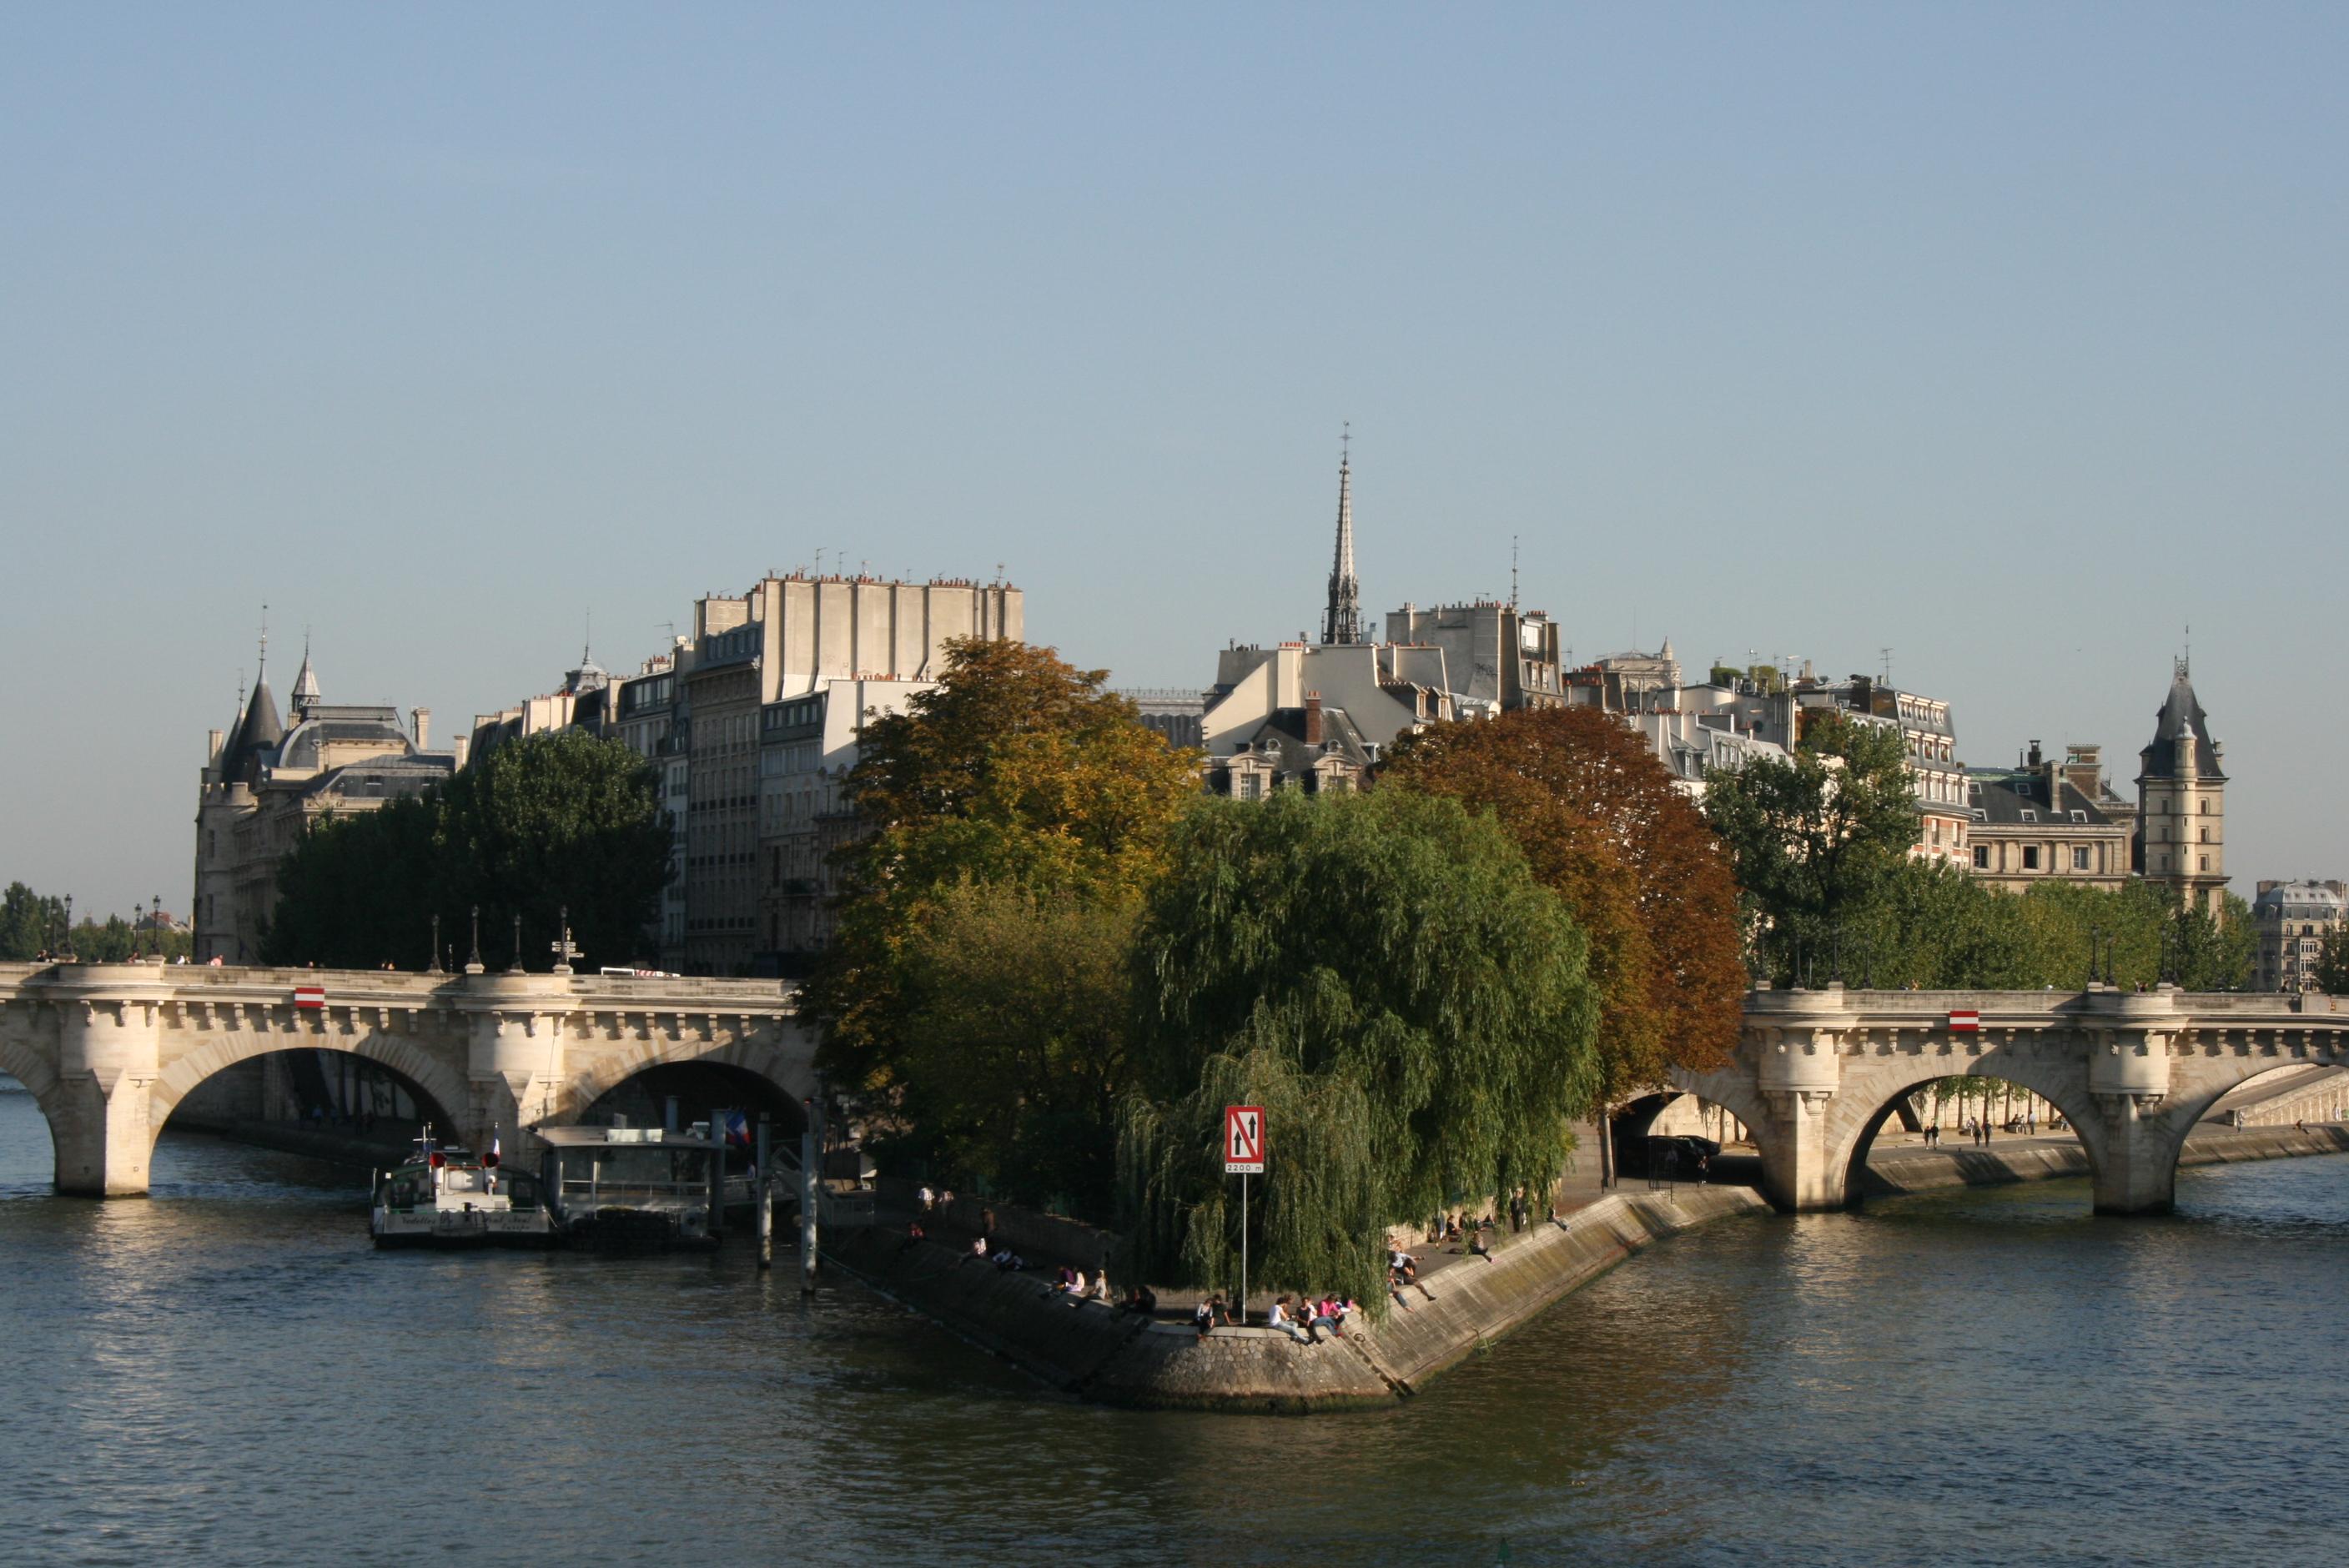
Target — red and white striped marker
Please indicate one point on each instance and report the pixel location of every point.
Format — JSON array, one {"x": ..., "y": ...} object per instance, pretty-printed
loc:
[
  {"x": 1965, "y": 1022},
  {"x": 310, "y": 997}
]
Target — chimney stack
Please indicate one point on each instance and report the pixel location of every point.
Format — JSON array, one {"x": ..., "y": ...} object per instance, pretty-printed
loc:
[
  {"x": 461, "y": 746},
  {"x": 423, "y": 721},
  {"x": 1313, "y": 718},
  {"x": 213, "y": 743}
]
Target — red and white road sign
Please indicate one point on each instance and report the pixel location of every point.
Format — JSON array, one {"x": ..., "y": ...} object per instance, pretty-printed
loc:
[
  {"x": 1243, "y": 1141},
  {"x": 1965, "y": 1021},
  {"x": 310, "y": 997}
]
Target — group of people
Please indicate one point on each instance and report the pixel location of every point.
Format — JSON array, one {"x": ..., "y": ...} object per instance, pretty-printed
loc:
[
  {"x": 2025, "y": 1124},
  {"x": 1304, "y": 1321},
  {"x": 1077, "y": 1288}
]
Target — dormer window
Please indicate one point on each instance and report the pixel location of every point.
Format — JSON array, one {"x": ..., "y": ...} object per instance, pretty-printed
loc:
[{"x": 2029, "y": 815}]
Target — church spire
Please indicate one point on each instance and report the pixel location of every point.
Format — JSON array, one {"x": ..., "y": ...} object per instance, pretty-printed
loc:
[
  {"x": 1343, "y": 622},
  {"x": 306, "y": 684}
]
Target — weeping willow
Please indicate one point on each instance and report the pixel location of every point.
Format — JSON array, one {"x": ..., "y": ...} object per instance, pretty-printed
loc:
[{"x": 1383, "y": 973}]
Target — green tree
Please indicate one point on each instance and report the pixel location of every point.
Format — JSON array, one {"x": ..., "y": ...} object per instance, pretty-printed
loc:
[
  {"x": 30, "y": 922},
  {"x": 1016, "y": 805},
  {"x": 2333, "y": 963},
  {"x": 1386, "y": 976},
  {"x": 1016, "y": 1014},
  {"x": 1815, "y": 839},
  {"x": 1603, "y": 825},
  {"x": 553, "y": 819}
]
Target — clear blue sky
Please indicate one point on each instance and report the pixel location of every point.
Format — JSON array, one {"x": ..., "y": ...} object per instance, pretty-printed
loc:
[{"x": 2012, "y": 338}]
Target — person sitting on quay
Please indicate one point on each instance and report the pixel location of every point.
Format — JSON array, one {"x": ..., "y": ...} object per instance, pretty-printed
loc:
[
  {"x": 1329, "y": 1314},
  {"x": 979, "y": 1248},
  {"x": 914, "y": 1235},
  {"x": 1477, "y": 1246},
  {"x": 1010, "y": 1262},
  {"x": 1279, "y": 1319},
  {"x": 1071, "y": 1280},
  {"x": 1141, "y": 1299},
  {"x": 1203, "y": 1316},
  {"x": 1101, "y": 1291}
]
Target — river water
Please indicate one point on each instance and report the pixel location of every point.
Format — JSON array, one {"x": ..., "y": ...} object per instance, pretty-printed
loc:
[{"x": 228, "y": 1373}]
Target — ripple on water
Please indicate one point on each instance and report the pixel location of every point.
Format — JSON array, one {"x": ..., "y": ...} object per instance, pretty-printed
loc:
[{"x": 229, "y": 1371}]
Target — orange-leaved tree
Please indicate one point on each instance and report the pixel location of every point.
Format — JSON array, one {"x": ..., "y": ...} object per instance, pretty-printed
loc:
[
  {"x": 975, "y": 994},
  {"x": 1602, "y": 823}
]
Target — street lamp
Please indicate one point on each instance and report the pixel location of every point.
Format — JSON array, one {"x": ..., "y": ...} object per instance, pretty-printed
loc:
[
  {"x": 515, "y": 967},
  {"x": 473, "y": 964},
  {"x": 432, "y": 964}
]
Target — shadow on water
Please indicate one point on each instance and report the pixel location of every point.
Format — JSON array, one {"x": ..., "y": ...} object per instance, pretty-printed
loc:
[{"x": 228, "y": 1370}]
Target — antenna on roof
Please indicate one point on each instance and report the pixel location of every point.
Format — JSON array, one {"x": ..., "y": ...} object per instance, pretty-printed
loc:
[
  {"x": 1513, "y": 575},
  {"x": 264, "y": 645},
  {"x": 1888, "y": 665},
  {"x": 2186, "y": 664},
  {"x": 588, "y": 638}
]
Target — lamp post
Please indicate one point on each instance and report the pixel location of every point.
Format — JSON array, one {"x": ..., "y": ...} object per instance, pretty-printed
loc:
[
  {"x": 65, "y": 943},
  {"x": 2096, "y": 935},
  {"x": 473, "y": 964},
  {"x": 515, "y": 967},
  {"x": 433, "y": 962},
  {"x": 155, "y": 927}
]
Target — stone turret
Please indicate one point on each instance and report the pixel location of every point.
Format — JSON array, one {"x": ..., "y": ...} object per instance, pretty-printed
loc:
[{"x": 2181, "y": 789}]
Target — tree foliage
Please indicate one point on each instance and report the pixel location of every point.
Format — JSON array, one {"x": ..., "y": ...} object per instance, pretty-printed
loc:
[
  {"x": 555, "y": 820},
  {"x": 1937, "y": 928},
  {"x": 2333, "y": 963},
  {"x": 1601, "y": 823},
  {"x": 1383, "y": 972},
  {"x": 1814, "y": 839},
  {"x": 31, "y": 923},
  {"x": 976, "y": 993}
]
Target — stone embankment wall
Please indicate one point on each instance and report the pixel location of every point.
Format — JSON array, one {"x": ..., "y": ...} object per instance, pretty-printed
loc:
[
  {"x": 1117, "y": 1357},
  {"x": 1932, "y": 1169}
]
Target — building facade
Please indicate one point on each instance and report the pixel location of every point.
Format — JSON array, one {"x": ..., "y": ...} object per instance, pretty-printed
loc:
[
  {"x": 2292, "y": 919},
  {"x": 1497, "y": 658},
  {"x": 793, "y": 637},
  {"x": 2045, "y": 820},
  {"x": 808, "y": 746},
  {"x": 268, "y": 782}
]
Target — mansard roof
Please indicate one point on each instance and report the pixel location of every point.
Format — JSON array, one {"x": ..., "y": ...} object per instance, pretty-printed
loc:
[
  {"x": 2000, "y": 798},
  {"x": 2181, "y": 718},
  {"x": 341, "y": 726}
]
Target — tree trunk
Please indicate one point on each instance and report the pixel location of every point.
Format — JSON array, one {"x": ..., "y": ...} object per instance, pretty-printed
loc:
[{"x": 1606, "y": 1148}]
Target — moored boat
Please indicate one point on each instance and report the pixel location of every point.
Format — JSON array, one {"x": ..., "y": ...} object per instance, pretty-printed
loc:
[{"x": 444, "y": 1196}]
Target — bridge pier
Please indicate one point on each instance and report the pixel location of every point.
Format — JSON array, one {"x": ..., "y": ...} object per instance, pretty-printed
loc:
[
  {"x": 1799, "y": 1074},
  {"x": 109, "y": 1058},
  {"x": 2129, "y": 1077}
]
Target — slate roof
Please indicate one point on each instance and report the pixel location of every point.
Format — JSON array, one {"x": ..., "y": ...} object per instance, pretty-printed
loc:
[
  {"x": 2298, "y": 900},
  {"x": 300, "y": 748},
  {"x": 2181, "y": 716},
  {"x": 1999, "y": 796},
  {"x": 257, "y": 733},
  {"x": 1282, "y": 737}
]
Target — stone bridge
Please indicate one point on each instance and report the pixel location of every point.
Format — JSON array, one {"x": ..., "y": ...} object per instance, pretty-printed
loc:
[
  {"x": 1816, "y": 1072},
  {"x": 108, "y": 1051}
]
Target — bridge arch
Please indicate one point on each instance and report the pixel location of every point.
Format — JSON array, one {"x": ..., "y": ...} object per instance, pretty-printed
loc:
[
  {"x": 1852, "y": 1125},
  {"x": 780, "y": 1061},
  {"x": 430, "y": 1080}
]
